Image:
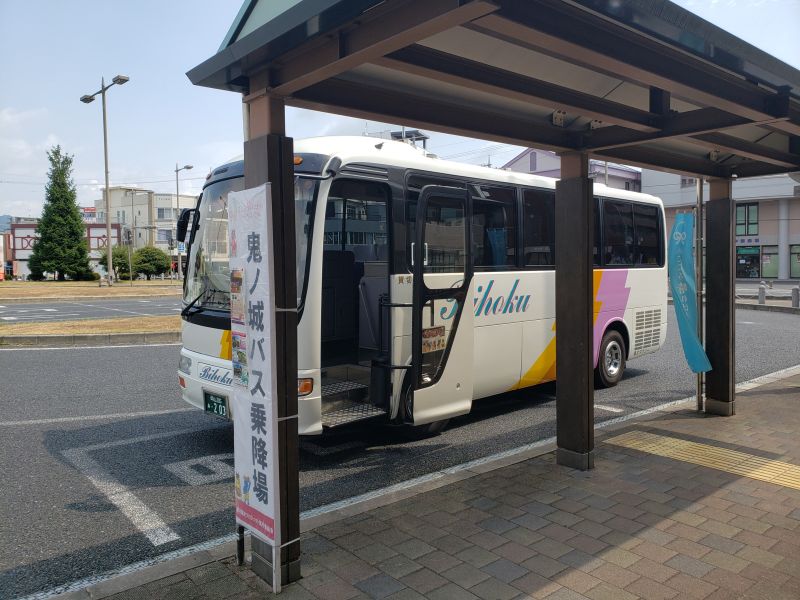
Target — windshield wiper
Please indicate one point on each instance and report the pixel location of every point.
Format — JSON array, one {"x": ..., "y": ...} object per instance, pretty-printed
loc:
[{"x": 189, "y": 306}]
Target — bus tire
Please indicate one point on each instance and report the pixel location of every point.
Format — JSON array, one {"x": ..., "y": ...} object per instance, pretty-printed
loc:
[
  {"x": 418, "y": 431},
  {"x": 610, "y": 360},
  {"x": 434, "y": 428}
]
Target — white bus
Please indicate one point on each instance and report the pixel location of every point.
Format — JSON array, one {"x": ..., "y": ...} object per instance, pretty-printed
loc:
[{"x": 422, "y": 284}]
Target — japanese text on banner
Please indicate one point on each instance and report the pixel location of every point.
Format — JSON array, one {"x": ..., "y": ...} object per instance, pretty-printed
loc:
[{"x": 252, "y": 352}]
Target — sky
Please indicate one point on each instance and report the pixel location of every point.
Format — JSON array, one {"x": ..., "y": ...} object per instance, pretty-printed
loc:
[{"x": 55, "y": 51}]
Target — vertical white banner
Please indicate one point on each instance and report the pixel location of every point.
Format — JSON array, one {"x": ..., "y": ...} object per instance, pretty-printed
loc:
[{"x": 254, "y": 402}]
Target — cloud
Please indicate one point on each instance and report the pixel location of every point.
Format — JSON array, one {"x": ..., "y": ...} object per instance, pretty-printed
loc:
[{"x": 11, "y": 117}]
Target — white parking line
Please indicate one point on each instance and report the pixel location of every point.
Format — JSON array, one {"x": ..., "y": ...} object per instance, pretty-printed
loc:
[
  {"x": 132, "y": 568},
  {"x": 41, "y": 317},
  {"x": 143, "y": 518},
  {"x": 148, "y": 413},
  {"x": 73, "y": 348},
  {"x": 608, "y": 408},
  {"x": 130, "y": 312},
  {"x": 219, "y": 467}
]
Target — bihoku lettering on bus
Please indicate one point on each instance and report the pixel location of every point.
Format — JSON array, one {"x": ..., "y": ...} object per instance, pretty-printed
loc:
[{"x": 491, "y": 299}]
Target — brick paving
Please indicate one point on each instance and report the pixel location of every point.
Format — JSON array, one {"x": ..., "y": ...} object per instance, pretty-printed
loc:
[{"x": 637, "y": 526}]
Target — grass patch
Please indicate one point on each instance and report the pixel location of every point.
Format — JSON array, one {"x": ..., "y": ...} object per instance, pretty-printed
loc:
[
  {"x": 42, "y": 290},
  {"x": 122, "y": 325}
]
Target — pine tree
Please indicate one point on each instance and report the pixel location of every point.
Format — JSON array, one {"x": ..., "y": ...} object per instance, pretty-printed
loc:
[{"x": 61, "y": 248}]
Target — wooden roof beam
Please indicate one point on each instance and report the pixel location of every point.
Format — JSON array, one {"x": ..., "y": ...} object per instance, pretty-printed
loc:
[
  {"x": 442, "y": 66},
  {"x": 570, "y": 33},
  {"x": 387, "y": 28},
  {"x": 747, "y": 149},
  {"x": 378, "y": 103}
]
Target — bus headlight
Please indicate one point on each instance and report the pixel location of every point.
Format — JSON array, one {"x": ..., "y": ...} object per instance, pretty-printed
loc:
[
  {"x": 305, "y": 385},
  {"x": 185, "y": 365}
]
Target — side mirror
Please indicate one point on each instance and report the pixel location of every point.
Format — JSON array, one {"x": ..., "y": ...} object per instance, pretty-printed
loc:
[{"x": 183, "y": 223}]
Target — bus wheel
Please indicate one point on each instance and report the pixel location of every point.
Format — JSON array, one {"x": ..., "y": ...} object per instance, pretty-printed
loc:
[
  {"x": 434, "y": 428},
  {"x": 418, "y": 431},
  {"x": 610, "y": 360}
]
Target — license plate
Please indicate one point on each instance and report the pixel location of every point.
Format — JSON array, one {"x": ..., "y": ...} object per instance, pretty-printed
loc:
[{"x": 216, "y": 405}]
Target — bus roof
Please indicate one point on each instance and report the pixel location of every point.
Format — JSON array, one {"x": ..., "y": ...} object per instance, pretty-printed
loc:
[{"x": 370, "y": 150}]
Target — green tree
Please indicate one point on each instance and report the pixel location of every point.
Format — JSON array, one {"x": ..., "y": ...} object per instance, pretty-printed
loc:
[
  {"x": 151, "y": 261},
  {"x": 61, "y": 248},
  {"x": 119, "y": 259}
]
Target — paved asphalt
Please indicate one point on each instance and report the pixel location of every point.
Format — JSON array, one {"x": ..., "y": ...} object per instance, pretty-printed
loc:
[
  {"x": 57, "y": 527},
  {"x": 89, "y": 309}
]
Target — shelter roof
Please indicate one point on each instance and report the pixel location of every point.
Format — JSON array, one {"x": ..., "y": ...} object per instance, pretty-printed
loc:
[{"x": 643, "y": 82}]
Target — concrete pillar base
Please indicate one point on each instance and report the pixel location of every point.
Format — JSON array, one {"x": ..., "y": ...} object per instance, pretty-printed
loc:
[
  {"x": 583, "y": 461},
  {"x": 262, "y": 564},
  {"x": 718, "y": 407}
]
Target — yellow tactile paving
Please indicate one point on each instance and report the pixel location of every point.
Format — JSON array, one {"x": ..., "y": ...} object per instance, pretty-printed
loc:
[{"x": 706, "y": 455}]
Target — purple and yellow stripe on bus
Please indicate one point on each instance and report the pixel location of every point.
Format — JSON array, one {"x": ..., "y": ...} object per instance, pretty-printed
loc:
[{"x": 611, "y": 294}]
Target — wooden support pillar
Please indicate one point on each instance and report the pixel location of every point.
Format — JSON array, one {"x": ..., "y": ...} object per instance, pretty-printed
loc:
[
  {"x": 720, "y": 312},
  {"x": 574, "y": 313},
  {"x": 269, "y": 157}
]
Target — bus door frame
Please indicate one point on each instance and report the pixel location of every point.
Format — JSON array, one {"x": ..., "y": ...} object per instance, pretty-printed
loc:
[{"x": 450, "y": 393}]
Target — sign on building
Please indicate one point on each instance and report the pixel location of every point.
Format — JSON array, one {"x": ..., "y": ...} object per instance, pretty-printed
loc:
[{"x": 254, "y": 396}]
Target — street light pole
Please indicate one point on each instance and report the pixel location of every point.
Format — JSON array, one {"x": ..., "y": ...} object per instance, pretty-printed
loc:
[
  {"x": 178, "y": 210},
  {"x": 86, "y": 99},
  {"x": 107, "y": 195},
  {"x": 131, "y": 241}
]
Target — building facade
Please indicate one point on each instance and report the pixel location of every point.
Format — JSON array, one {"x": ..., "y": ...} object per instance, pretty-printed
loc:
[
  {"x": 146, "y": 218},
  {"x": 548, "y": 164},
  {"x": 23, "y": 237},
  {"x": 767, "y": 227}
]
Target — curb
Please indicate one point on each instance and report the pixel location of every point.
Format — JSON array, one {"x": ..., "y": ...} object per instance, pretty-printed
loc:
[
  {"x": 769, "y": 308},
  {"x": 88, "y": 339},
  {"x": 6, "y": 301},
  {"x": 156, "y": 568},
  {"x": 765, "y": 307}
]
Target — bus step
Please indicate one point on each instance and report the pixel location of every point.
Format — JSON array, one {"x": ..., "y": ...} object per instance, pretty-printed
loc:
[
  {"x": 339, "y": 387},
  {"x": 348, "y": 412}
]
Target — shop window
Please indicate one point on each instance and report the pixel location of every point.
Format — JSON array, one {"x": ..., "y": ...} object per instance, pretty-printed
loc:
[
  {"x": 748, "y": 262},
  {"x": 769, "y": 262},
  {"x": 794, "y": 262}
]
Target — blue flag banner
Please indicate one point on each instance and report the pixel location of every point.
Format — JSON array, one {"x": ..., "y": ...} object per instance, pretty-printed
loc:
[{"x": 681, "y": 281}]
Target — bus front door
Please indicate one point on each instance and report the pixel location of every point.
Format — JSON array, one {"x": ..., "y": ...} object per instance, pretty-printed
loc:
[{"x": 442, "y": 335}]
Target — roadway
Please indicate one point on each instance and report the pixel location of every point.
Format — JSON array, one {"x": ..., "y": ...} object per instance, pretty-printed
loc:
[
  {"x": 104, "y": 466},
  {"x": 89, "y": 309}
]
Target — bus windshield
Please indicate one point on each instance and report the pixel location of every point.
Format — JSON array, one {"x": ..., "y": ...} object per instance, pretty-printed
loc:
[{"x": 208, "y": 276}]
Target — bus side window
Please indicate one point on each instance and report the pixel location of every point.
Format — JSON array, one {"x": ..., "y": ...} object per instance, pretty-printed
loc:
[
  {"x": 413, "y": 186},
  {"x": 538, "y": 230},
  {"x": 648, "y": 235},
  {"x": 494, "y": 217},
  {"x": 597, "y": 233},
  {"x": 618, "y": 233}
]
